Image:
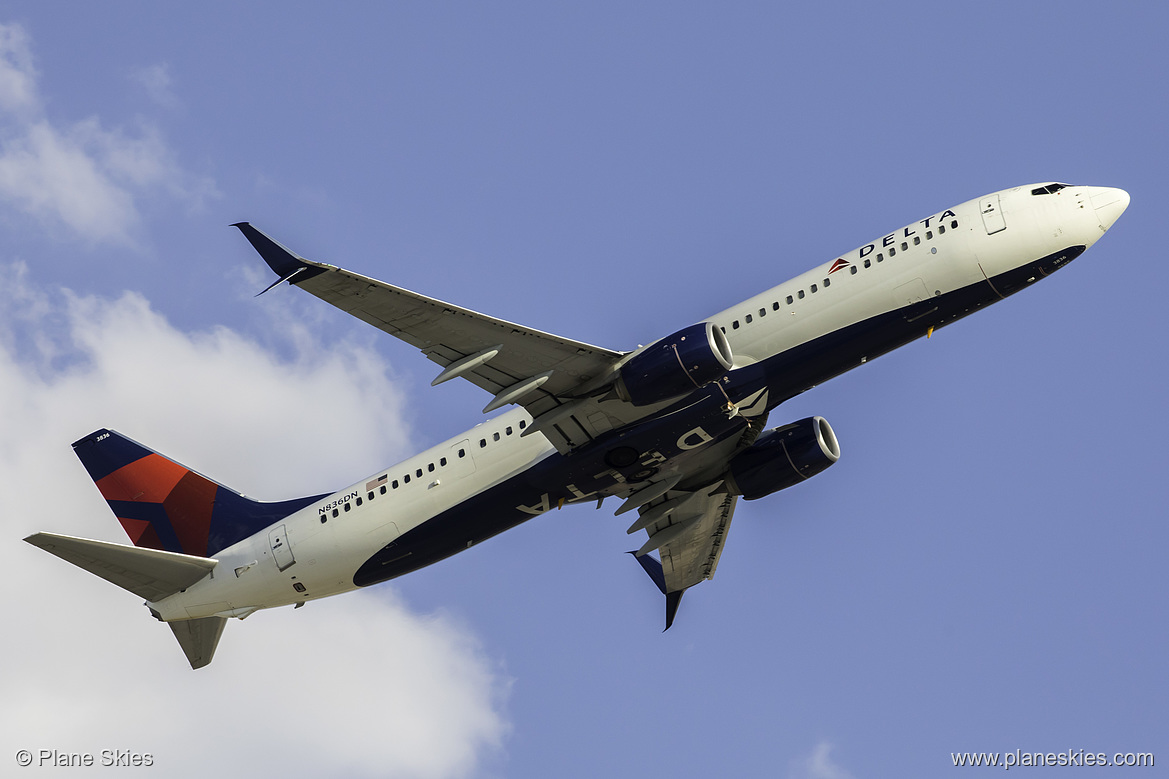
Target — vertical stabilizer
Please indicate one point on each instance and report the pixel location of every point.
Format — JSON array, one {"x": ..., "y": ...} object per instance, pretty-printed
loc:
[{"x": 164, "y": 505}]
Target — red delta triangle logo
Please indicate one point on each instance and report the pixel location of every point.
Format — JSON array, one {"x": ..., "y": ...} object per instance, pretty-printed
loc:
[{"x": 837, "y": 266}]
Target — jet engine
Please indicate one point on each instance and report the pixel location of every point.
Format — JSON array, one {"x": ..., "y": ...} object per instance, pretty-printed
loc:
[
  {"x": 782, "y": 457},
  {"x": 675, "y": 365}
]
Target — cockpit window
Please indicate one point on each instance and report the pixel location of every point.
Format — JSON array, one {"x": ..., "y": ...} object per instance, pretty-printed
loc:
[{"x": 1050, "y": 189}]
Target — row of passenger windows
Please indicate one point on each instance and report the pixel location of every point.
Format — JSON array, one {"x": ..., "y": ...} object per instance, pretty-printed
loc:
[
  {"x": 852, "y": 269},
  {"x": 495, "y": 436},
  {"x": 430, "y": 468}
]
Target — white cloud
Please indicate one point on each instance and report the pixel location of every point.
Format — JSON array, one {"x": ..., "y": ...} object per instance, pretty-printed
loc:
[
  {"x": 818, "y": 765},
  {"x": 355, "y": 685},
  {"x": 17, "y": 74},
  {"x": 84, "y": 176},
  {"x": 156, "y": 80},
  {"x": 50, "y": 176}
]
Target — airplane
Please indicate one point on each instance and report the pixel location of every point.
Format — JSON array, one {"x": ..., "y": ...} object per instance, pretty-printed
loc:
[{"x": 676, "y": 430}]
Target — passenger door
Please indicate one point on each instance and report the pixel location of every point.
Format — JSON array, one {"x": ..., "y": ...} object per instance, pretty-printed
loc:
[{"x": 992, "y": 214}]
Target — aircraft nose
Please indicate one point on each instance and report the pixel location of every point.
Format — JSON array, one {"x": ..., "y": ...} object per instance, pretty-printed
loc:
[{"x": 1109, "y": 203}]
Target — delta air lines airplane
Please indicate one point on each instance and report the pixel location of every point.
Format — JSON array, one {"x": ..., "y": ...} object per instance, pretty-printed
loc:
[{"x": 676, "y": 431}]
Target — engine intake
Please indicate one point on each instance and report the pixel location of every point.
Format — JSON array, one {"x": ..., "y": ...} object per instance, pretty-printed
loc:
[
  {"x": 675, "y": 365},
  {"x": 782, "y": 457}
]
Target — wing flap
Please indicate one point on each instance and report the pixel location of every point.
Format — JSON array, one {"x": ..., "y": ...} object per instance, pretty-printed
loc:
[
  {"x": 151, "y": 574},
  {"x": 690, "y": 540}
]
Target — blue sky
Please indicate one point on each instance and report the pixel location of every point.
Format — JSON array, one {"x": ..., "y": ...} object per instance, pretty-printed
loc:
[{"x": 982, "y": 571}]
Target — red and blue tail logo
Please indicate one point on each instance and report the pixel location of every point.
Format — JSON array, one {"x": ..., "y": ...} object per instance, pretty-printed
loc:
[{"x": 164, "y": 505}]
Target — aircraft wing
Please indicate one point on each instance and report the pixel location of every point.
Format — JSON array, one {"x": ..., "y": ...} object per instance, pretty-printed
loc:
[
  {"x": 689, "y": 539},
  {"x": 516, "y": 364}
]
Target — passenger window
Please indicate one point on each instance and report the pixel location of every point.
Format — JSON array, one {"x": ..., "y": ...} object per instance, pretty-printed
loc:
[
  {"x": 359, "y": 501},
  {"x": 800, "y": 294},
  {"x": 508, "y": 431},
  {"x": 929, "y": 234},
  {"x": 954, "y": 225},
  {"x": 442, "y": 461},
  {"x": 324, "y": 518},
  {"x": 406, "y": 479},
  {"x": 813, "y": 289},
  {"x": 827, "y": 282},
  {"x": 346, "y": 506},
  {"x": 524, "y": 424},
  {"x": 394, "y": 484},
  {"x": 789, "y": 300},
  {"x": 735, "y": 325},
  {"x": 482, "y": 442},
  {"x": 495, "y": 436},
  {"x": 430, "y": 468},
  {"x": 852, "y": 270},
  {"x": 892, "y": 253},
  {"x": 775, "y": 306},
  {"x": 748, "y": 318},
  {"x": 941, "y": 229},
  {"x": 382, "y": 490},
  {"x": 868, "y": 263},
  {"x": 904, "y": 246},
  {"x": 763, "y": 312},
  {"x": 916, "y": 240},
  {"x": 336, "y": 512},
  {"x": 369, "y": 496}
]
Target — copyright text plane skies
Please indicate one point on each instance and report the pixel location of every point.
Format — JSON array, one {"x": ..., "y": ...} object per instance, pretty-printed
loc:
[{"x": 676, "y": 431}]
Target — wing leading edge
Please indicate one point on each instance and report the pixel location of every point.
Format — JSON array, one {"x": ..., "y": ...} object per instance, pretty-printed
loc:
[{"x": 516, "y": 364}]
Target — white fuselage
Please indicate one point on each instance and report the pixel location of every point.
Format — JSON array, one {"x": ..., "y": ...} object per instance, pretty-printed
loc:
[{"x": 315, "y": 552}]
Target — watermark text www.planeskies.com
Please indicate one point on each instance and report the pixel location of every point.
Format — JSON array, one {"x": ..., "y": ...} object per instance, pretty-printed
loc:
[{"x": 1070, "y": 757}]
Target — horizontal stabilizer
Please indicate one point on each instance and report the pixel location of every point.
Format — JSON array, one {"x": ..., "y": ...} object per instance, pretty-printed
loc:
[
  {"x": 198, "y": 638},
  {"x": 151, "y": 574}
]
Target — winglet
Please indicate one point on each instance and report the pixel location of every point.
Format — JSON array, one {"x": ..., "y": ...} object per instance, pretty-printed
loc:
[
  {"x": 672, "y": 601},
  {"x": 652, "y": 566},
  {"x": 283, "y": 261}
]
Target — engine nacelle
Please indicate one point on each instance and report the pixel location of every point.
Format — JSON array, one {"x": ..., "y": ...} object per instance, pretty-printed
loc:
[
  {"x": 782, "y": 457},
  {"x": 675, "y": 365}
]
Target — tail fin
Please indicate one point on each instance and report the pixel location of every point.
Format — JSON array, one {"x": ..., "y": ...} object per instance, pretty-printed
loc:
[{"x": 164, "y": 505}]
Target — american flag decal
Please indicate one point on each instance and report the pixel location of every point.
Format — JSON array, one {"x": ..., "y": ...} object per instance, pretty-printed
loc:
[{"x": 369, "y": 485}]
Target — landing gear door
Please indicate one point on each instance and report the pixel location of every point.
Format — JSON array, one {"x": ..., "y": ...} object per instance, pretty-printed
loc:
[
  {"x": 281, "y": 549},
  {"x": 992, "y": 215}
]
